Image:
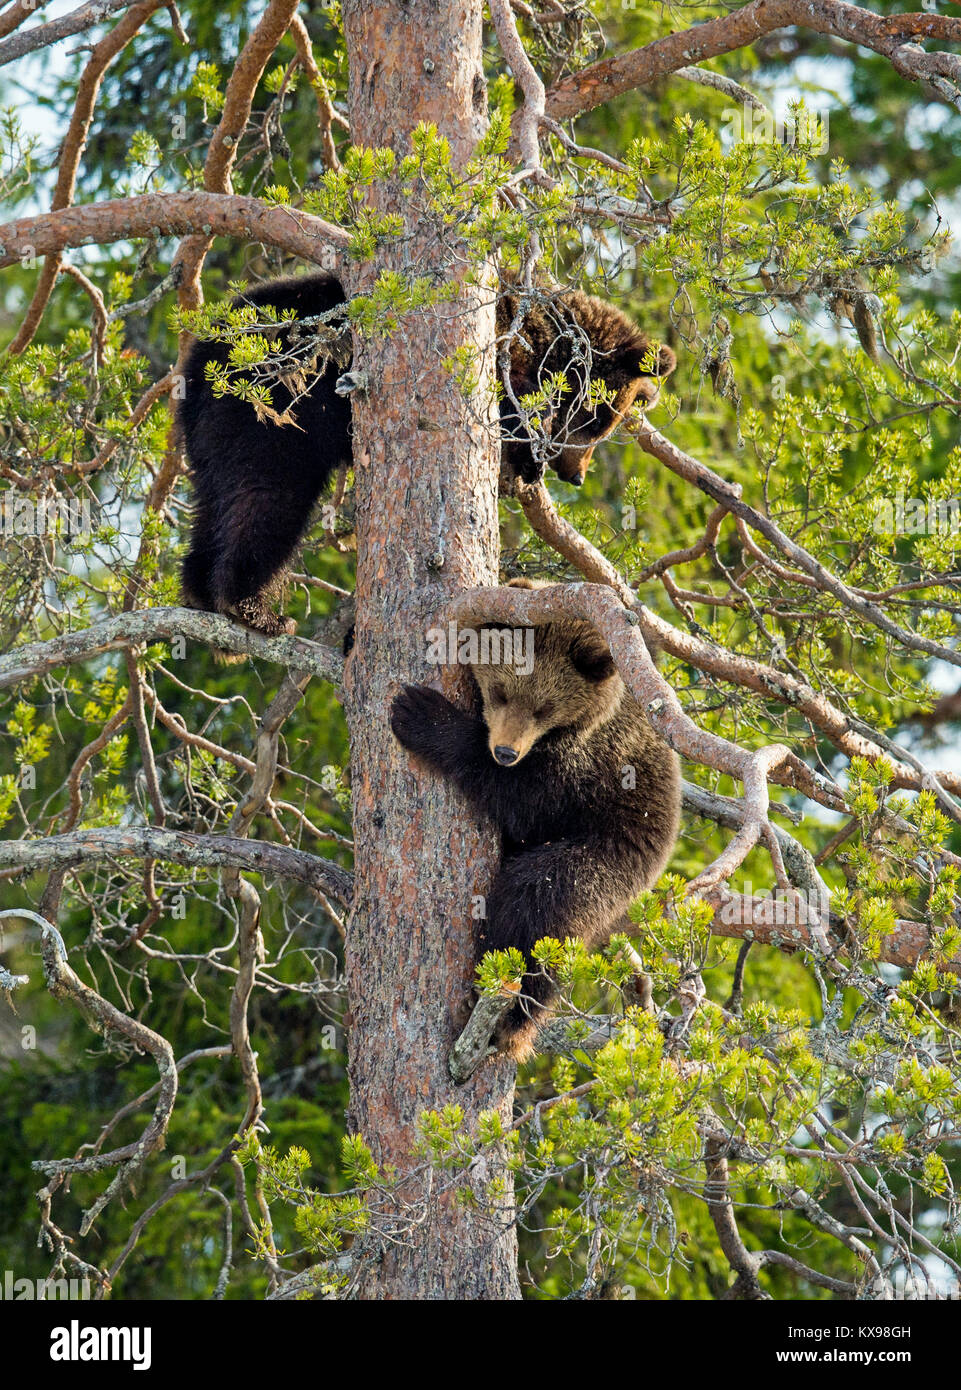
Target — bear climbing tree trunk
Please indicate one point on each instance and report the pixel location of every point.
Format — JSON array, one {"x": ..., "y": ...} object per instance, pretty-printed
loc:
[{"x": 426, "y": 463}]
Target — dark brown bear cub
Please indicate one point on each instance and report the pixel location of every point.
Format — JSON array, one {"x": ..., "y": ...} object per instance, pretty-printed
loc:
[
  {"x": 585, "y": 794},
  {"x": 256, "y": 482}
]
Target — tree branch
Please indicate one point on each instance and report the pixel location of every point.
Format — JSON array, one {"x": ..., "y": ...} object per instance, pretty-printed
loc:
[
  {"x": 72, "y": 149},
  {"x": 704, "y": 77},
  {"x": 104, "y": 1018},
  {"x": 180, "y": 847},
  {"x": 527, "y": 78},
  {"x": 326, "y": 114},
  {"x": 166, "y": 624},
  {"x": 718, "y": 1198},
  {"x": 239, "y": 95},
  {"x": 310, "y": 1281},
  {"x": 756, "y": 676},
  {"x": 43, "y": 34},
  {"x": 771, "y": 922},
  {"x": 885, "y": 34},
  {"x": 473, "y": 1046},
  {"x": 14, "y": 15},
  {"x": 170, "y": 214},
  {"x": 688, "y": 468}
]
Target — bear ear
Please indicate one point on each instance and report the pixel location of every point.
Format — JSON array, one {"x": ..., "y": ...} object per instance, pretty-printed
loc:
[
  {"x": 644, "y": 360},
  {"x": 591, "y": 657},
  {"x": 666, "y": 360}
]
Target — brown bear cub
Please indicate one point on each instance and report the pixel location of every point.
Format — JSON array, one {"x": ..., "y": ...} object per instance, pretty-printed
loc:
[
  {"x": 256, "y": 482},
  {"x": 585, "y": 794}
]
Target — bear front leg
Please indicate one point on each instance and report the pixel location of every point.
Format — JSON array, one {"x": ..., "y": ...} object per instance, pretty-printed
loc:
[
  {"x": 524, "y": 465},
  {"x": 427, "y": 724},
  {"x": 453, "y": 743},
  {"x": 564, "y": 889}
]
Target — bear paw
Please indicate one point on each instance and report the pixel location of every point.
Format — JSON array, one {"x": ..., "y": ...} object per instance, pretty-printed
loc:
[
  {"x": 256, "y": 615},
  {"x": 531, "y": 472},
  {"x": 415, "y": 715}
]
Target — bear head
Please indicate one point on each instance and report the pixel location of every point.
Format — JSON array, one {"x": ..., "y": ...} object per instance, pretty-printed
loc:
[
  {"x": 632, "y": 375},
  {"x": 595, "y": 345},
  {"x": 570, "y": 686}
]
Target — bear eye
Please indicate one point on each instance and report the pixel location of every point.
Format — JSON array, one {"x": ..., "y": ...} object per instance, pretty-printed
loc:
[
  {"x": 544, "y": 712},
  {"x": 499, "y": 695}
]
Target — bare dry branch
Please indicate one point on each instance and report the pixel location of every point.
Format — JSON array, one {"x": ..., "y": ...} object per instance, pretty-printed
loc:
[
  {"x": 63, "y": 983},
  {"x": 704, "y": 77}
]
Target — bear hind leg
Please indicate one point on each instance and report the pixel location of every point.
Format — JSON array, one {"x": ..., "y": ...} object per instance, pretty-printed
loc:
[
  {"x": 258, "y": 535},
  {"x": 564, "y": 889}
]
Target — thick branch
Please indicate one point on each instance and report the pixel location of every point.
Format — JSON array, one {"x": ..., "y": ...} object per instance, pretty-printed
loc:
[
  {"x": 178, "y": 846},
  {"x": 166, "y": 624},
  {"x": 239, "y": 95},
  {"x": 527, "y": 79},
  {"x": 313, "y": 1280},
  {"x": 781, "y": 923},
  {"x": 764, "y": 680},
  {"x": 14, "y": 15},
  {"x": 885, "y": 34},
  {"x": 43, "y": 34},
  {"x": 170, "y": 214}
]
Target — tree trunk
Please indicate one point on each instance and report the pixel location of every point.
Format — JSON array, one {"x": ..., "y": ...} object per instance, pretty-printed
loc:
[{"x": 426, "y": 464}]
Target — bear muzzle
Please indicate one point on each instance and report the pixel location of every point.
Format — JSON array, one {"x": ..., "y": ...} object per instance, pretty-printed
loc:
[
  {"x": 505, "y": 756},
  {"x": 572, "y": 466}
]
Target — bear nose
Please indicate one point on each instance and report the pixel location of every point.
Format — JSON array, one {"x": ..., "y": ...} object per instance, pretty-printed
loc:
[{"x": 504, "y": 755}]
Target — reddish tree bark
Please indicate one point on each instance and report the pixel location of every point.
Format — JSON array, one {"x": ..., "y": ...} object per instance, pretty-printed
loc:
[{"x": 426, "y": 501}]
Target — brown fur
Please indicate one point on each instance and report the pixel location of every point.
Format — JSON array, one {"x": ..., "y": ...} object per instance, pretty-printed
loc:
[
  {"x": 578, "y": 844},
  {"x": 589, "y": 340}
]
